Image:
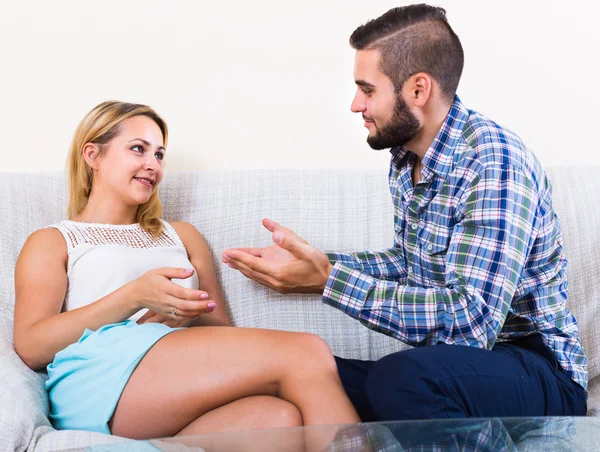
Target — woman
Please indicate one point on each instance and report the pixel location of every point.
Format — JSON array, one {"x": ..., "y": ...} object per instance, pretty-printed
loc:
[{"x": 98, "y": 298}]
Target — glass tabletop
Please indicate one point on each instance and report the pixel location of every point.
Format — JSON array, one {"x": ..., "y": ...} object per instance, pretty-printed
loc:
[{"x": 544, "y": 434}]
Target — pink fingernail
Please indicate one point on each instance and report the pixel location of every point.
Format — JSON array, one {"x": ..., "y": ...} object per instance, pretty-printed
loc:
[
  {"x": 212, "y": 305},
  {"x": 204, "y": 296}
]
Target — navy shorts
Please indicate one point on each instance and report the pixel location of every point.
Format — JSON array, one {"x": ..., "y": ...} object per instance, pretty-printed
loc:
[{"x": 514, "y": 379}]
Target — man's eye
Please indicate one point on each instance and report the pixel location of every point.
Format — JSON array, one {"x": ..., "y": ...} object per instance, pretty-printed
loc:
[{"x": 159, "y": 155}]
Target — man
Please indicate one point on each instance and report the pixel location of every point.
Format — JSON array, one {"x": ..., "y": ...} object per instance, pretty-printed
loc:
[{"x": 476, "y": 277}]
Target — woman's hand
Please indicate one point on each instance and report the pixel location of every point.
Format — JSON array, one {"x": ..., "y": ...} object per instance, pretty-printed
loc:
[
  {"x": 155, "y": 291},
  {"x": 153, "y": 317}
]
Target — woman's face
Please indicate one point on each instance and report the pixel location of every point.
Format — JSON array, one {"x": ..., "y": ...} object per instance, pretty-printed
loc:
[{"x": 132, "y": 165}]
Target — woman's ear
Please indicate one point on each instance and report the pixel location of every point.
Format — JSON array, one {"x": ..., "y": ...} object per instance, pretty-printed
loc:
[{"x": 91, "y": 151}]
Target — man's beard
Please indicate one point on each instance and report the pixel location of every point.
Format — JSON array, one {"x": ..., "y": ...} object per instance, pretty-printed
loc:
[{"x": 402, "y": 128}]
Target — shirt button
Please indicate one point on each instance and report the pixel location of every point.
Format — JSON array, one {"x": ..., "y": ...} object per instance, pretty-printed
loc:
[
  {"x": 430, "y": 247},
  {"x": 414, "y": 226}
]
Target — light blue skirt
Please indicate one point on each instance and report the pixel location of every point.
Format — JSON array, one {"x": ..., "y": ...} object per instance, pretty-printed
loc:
[{"x": 86, "y": 379}]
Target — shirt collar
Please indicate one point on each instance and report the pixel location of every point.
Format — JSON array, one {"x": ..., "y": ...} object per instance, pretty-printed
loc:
[{"x": 439, "y": 156}]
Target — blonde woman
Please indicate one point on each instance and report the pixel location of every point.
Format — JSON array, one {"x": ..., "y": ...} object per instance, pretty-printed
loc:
[{"x": 110, "y": 302}]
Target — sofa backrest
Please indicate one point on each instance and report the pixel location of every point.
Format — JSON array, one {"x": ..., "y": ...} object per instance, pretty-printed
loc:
[{"x": 332, "y": 209}]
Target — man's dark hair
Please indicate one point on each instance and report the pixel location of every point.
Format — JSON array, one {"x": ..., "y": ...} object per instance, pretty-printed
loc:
[{"x": 411, "y": 39}]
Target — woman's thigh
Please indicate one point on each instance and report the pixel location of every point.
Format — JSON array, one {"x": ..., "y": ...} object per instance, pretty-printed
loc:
[{"x": 193, "y": 371}]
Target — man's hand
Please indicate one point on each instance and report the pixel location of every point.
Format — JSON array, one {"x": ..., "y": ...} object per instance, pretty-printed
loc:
[{"x": 290, "y": 265}]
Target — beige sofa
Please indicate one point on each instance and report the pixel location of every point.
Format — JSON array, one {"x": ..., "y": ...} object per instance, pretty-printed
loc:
[{"x": 332, "y": 209}]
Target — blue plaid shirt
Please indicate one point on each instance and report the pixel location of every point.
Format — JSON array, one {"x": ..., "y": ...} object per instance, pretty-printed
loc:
[{"x": 477, "y": 255}]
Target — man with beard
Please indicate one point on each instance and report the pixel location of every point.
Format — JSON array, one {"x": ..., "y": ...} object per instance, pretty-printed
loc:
[{"x": 476, "y": 277}]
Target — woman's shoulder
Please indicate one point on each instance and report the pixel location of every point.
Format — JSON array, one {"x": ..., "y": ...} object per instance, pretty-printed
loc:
[
  {"x": 49, "y": 233},
  {"x": 182, "y": 226},
  {"x": 189, "y": 235},
  {"x": 46, "y": 240},
  {"x": 185, "y": 229}
]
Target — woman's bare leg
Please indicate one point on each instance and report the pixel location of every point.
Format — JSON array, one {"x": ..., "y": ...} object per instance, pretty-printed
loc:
[
  {"x": 249, "y": 413},
  {"x": 241, "y": 419},
  {"x": 191, "y": 372}
]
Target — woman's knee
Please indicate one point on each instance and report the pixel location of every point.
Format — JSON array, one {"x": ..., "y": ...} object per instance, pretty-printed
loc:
[
  {"x": 316, "y": 351},
  {"x": 277, "y": 413}
]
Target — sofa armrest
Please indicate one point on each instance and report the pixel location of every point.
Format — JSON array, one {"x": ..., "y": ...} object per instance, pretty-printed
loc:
[{"x": 23, "y": 398}]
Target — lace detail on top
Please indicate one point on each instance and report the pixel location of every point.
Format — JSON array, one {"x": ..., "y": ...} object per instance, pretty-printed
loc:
[
  {"x": 104, "y": 257},
  {"x": 129, "y": 235}
]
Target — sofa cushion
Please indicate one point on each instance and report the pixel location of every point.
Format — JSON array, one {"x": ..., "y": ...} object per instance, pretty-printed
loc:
[
  {"x": 576, "y": 192},
  {"x": 333, "y": 209},
  {"x": 23, "y": 398}
]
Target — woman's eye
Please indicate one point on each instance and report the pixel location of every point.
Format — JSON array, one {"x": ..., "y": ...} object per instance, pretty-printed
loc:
[
  {"x": 137, "y": 148},
  {"x": 159, "y": 155}
]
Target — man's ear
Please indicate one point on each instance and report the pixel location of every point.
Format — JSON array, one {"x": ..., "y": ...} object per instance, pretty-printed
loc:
[
  {"x": 419, "y": 88},
  {"x": 91, "y": 152}
]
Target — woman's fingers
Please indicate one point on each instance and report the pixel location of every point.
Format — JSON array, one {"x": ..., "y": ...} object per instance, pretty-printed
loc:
[
  {"x": 177, "y": 302},
  {"x": 184, "y": 293},
  {"x": 176, "y": 307},
  {"x": 173, "y": 272},
  {"x": 150, "y": 317}
]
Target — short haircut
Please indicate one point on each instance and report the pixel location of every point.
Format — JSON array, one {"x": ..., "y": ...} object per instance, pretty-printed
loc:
[{"x": 412, "y": 39}]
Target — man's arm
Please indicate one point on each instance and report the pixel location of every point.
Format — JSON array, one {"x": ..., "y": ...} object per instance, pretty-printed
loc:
[
  {"x": 386, "y": 264},
  {"x": 486, "y": 255},
  {"x": 485, "y": 258}
]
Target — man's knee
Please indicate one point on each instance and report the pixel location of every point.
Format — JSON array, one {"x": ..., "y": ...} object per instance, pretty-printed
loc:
[
  {"x": 396, "y": 372},
  {"x": 408, "y": 385}
]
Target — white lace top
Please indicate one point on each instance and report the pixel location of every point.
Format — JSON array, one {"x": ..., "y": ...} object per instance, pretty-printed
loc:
[{"x": 104, "y": 257}]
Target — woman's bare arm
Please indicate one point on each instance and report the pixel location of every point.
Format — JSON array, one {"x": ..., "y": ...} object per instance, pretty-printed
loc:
[
  {"x": 41, "y": 330},
  {"x": 202, "y": 260}
]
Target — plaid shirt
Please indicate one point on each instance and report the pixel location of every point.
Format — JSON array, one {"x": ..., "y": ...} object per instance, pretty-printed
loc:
[{"x": 477, "y": 255}]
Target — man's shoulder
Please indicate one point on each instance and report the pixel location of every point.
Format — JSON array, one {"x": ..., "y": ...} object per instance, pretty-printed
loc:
[{"x": 488, "y": 144}]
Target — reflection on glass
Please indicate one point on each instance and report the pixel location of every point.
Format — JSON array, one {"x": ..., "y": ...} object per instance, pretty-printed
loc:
[{"x": 546, "y": 434}]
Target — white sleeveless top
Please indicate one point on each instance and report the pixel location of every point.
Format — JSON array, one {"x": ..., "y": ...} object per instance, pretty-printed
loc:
[{"x": 104, "y": 257}]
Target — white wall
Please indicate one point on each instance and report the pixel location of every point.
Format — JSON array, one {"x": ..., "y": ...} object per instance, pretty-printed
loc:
[{"x": 268, "y": 84}]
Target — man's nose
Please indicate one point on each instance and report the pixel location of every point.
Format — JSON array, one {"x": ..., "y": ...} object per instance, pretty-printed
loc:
[{"x": 358, "y": 104}]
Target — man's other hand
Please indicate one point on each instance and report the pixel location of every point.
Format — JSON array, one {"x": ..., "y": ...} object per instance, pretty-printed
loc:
[{"x": 289, "y": 265}]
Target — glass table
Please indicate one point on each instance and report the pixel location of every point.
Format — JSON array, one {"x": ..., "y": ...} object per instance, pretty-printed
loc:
[{"x": 546, "y": 434}]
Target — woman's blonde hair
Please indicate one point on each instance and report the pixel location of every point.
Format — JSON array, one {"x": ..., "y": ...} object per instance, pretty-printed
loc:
[{"x": 99, "y": 126}]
